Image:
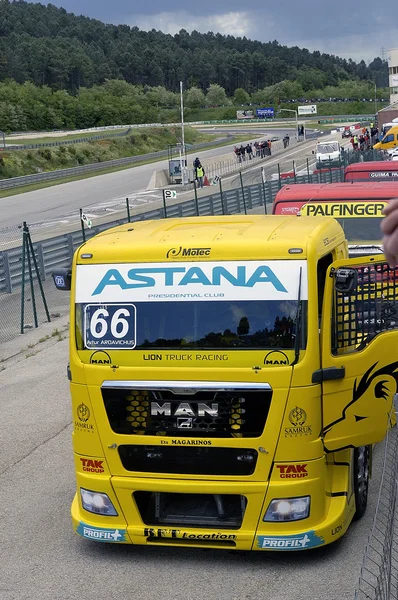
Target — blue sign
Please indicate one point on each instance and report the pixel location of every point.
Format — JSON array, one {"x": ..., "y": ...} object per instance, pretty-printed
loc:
[
  {"x": 98, "y": 534},
  {"x": 265, "y": 113},
  {"x": 109, "y": 326},
  {"x": 302, "y": 541}
]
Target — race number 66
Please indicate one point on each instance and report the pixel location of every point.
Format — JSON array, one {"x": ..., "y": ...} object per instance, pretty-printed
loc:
[{"x": 110, "y": 326}]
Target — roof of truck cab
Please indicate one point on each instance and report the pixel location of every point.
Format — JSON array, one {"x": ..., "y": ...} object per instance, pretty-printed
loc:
[
  {"x": 235, "y": 237},
  {"x": 380, "y": 190},
  {"x": 372, "y": 165}
]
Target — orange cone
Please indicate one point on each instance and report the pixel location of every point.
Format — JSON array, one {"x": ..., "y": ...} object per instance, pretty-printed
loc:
[{"x": 206, "y": 181}]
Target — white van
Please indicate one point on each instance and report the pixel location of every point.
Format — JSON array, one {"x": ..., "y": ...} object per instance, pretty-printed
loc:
[{"x": 328, "y": 154}]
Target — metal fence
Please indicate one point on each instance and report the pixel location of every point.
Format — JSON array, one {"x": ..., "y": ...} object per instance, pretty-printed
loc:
[{"x": 379, "y": 573}]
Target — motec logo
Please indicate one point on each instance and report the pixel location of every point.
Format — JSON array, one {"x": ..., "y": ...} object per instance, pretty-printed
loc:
[
  {"x": 184, "y": 276},
  {"x": 292, "y": 471},
  {"x": 178, "y": 252}
]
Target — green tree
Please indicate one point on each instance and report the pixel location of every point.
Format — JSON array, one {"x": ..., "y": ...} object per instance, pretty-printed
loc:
[
  {"x": 194, "y": 98},
  {"x": 241, "y": 97},
  {"x": 216, "y": 95}
]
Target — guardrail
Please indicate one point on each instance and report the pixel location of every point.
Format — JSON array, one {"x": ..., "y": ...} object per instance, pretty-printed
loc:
[
  {"x": 15, "y": 182},
  {"x": 93, "y": 138},
  {"x": 207, "y": 122}
]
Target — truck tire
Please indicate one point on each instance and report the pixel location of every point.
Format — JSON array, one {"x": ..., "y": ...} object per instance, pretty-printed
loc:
[{"x": 361, "y": 476}]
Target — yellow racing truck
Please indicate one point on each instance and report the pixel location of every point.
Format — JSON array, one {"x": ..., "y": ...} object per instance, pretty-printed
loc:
[{"x": 229, "y": 376}]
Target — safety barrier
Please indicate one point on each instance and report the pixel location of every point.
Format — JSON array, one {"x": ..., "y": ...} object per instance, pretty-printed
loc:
[
  {"x": 15, "y": 182},
  {"x": 93, "y": 138}
]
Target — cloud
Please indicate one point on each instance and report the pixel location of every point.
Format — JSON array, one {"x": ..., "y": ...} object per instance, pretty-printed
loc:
[
  {"x": 233, "y": 23},
  {"x": 347, "y": 46}
]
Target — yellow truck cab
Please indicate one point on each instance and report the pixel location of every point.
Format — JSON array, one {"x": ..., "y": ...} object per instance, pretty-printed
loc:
[
  {"x": 229, "y": 376},
  {"x": 389, "y": 141}
]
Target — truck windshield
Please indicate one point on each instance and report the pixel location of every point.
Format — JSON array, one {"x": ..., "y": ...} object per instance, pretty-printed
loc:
[
  {"x": 214, "y": 325},
  {"x": 362, "y": 229},
  {"x": 182, "y": 305},
  {"x": 328, "y": 148}
]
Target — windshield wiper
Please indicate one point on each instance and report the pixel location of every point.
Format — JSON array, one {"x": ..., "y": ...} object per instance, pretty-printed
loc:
[
  {"x": 297, "y": 323},
  {"x": 361, "y": 246}
]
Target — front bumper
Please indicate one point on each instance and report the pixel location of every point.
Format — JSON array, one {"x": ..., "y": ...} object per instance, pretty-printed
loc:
[{"x": 331, "y": 514}]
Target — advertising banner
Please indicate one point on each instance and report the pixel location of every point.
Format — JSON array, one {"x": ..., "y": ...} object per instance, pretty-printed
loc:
[
  {"x": 265, "y": 113},
  {"x": 308, "y": 109},
  {"x": 182, "y": 281},
  {"x": 244, "y": 114}
]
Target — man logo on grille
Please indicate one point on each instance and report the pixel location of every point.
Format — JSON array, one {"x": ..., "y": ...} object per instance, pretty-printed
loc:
[
  {"x": 184, "y": 423},
  {"x": 184, "y": 409}
]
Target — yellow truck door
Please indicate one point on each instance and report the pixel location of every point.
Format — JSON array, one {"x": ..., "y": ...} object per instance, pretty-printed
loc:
[{"x": 359, "y": 342}]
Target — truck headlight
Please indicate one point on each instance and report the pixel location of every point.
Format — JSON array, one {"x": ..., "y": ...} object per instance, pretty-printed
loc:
[
  {"x": 98, "y": 503},
  {"x": 288, "y": 509}
]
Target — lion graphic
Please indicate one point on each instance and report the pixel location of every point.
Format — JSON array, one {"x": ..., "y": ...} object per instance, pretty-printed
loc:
[{"x": 372, "y": 398}]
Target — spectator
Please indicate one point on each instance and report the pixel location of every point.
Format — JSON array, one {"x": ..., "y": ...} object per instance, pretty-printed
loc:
[
  {"x": 242, "y": 150},
  {"x": 356, "y": 142},
  {"x": 200, "y": 173},
  {"x": 249, "y": 151},
  {"x": 269, "y": 147},
  {"x": 389, "y": 228},
  {"x": 196, "y": 163}
]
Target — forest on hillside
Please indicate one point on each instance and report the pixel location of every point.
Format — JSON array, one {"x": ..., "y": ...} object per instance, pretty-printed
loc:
[{"x": 48, "y": 46}]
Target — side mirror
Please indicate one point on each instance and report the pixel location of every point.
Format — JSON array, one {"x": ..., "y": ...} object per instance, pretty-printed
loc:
[
  {"x": 62, "y": 279},
  {"x": 345, "y": 281}
]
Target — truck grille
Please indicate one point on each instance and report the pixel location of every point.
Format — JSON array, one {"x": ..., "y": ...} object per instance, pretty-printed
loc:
[
  {"x": 213, "y": 511},
  {"x": 211, "y": 410},
  {"x": 188, "y": 460}
]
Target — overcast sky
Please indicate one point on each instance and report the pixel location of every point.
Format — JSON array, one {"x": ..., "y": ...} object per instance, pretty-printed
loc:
[{"x": 356, "y": 29}]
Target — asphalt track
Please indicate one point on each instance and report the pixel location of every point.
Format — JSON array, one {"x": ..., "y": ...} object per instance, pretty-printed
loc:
[
  {"x": 42, "y": 559},
  {"x": 60, "y": 200}
]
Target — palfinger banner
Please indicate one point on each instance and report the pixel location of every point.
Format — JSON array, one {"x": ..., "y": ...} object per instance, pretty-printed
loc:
[{"x": 343, "y": 209}]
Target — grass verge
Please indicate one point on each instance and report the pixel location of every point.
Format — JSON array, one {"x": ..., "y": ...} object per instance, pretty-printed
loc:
[
  {"x": 46, "y": 184},
  {"x": 15, "y": 141}
]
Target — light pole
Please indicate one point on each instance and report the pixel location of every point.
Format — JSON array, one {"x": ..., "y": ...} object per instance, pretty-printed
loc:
[
  {"x": 296, "y": 113},
  {"x": 182, "y": 153}
]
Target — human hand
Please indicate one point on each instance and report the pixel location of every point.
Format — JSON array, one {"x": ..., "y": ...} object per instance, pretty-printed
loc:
[{"x": 389, "y": 228}]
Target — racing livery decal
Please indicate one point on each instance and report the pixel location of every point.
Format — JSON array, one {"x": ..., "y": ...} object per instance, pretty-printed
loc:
[
  {"x": 301, "y": 541},
  {"x": 99, "y": 534},
  {"x": 372, "y": 390}
]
